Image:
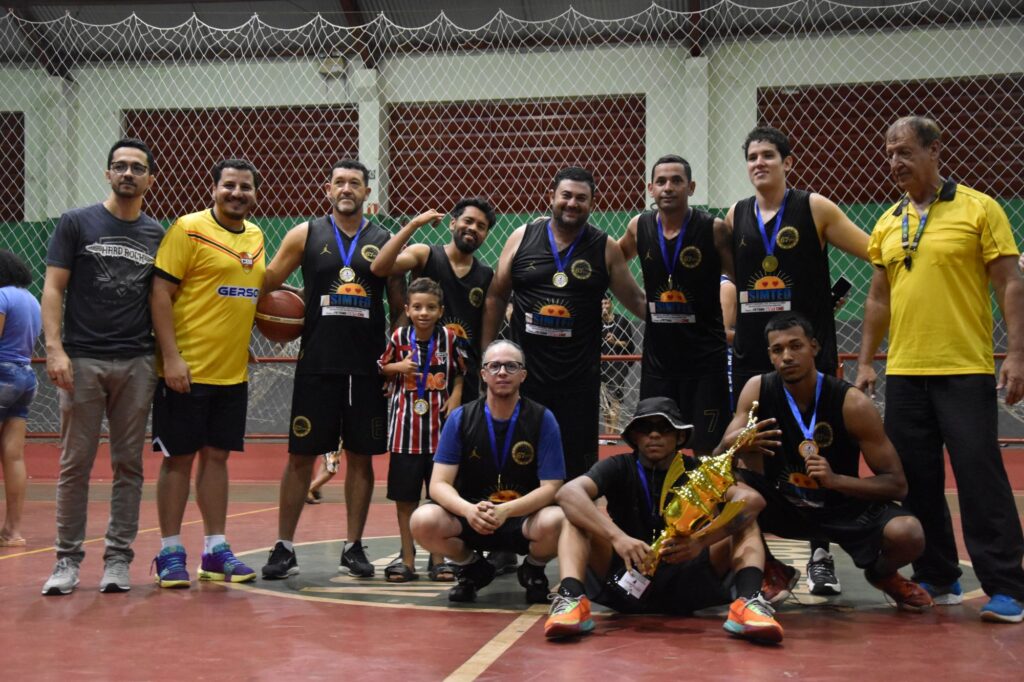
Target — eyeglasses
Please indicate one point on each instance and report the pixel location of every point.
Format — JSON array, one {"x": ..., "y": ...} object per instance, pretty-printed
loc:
[
  {"x": 137, "y": 169},
  {"x": 647, "y": 427},
  {"x": 511, "y": 367}
]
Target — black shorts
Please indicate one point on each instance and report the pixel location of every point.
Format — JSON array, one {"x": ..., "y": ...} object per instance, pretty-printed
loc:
[
  {"x": 675, "y": 589},
  {"x": 327, "y": 408},
  {"x": 577, "y": 411},
  {"x": 703, "y": 401},
  {"x": 508, "y": 538},
  {"x": 856, "y": 526},
  {"x": 407, "y": 474},
  {"x": 207, "y": 415}
]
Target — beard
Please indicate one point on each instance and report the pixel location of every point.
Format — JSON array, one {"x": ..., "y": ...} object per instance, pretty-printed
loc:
[{"x": 463, "y": 246}]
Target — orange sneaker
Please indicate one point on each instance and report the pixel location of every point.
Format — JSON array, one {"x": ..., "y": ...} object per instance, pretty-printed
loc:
[
  {"x": 779, "y": 581},
  {"x": 568, "y": 617},
  {"x": 909, "y": 596},
  {"x": 753, "y": 619}
]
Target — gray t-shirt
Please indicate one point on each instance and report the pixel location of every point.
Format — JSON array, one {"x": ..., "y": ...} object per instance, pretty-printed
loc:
[{"x": 106, "y": 307}]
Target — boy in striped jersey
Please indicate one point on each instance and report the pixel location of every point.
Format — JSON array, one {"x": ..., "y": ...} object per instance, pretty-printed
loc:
[{"x": 425, "y": 366}]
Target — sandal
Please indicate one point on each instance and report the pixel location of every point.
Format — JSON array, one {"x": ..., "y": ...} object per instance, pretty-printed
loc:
[
  {"x": 397, "y": 572},
  {"x": 441, "y": 573},
  {"x": 314, "y": 497},
  {"x": 12, "y": 542}
]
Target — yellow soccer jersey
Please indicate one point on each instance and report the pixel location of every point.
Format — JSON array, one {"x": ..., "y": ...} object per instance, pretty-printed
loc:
[{"x": 219, "y": 275}]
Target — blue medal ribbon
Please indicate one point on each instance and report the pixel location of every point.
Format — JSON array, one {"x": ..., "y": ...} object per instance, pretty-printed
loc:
[
  {"x": 421, "y": 382},
  {"x": 670, "y": 265},
  {"x": 806, "y": 429},
  {"x": 648, "y": 495},
  {"x": 501, "y": 457},
  {"x": 559, "y": 262},
  {"x": 769, "y": 243},
  {"x": 346, "y": 256}
]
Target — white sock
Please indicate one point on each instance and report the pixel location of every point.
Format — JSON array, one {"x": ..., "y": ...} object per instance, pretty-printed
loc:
[
  {"x": 170, "y": 541},
  {"x": 287, "y": 545},
  {"x": 211, "y": 541},
  {"x": 533, "y": 562}
]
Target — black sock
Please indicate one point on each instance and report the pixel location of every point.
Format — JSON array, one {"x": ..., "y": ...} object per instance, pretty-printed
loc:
[
  {"x": 571, "y": 588},
  {"x": 748, "y": 581}
]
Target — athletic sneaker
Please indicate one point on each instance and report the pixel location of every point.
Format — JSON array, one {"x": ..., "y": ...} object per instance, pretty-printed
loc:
[
  {"x": 1002, "y": 608},
  {"x": 222, "y": 565},
  {"x": 504, "y": 562},
  {"x": 472, "y": 577},
  {"x": 779, "y": 581},
  {"x": 535, "y": 581},
  {"x": 170, "y": 567},
  {"x": 821, "y": 574},
  {"x": 354, "y": 561},
  {"x": 568, "y": 616},
  {"x": 64, "y": 579},
  {"x": 753, "y": 619},
  {"x": 281, "y": 564},
  {"x": 115, "y": 576},
  {"x": 908, "y": 595},
  {"x": 944, "y": 595}
]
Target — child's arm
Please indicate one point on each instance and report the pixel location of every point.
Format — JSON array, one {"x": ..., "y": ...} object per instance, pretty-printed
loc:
[
  {"x": 455, "y": 399},
  {"x": 406, "y": 366}
]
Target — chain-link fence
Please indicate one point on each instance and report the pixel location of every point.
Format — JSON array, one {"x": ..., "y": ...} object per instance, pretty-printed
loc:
[{"x": 439, "y": 112}]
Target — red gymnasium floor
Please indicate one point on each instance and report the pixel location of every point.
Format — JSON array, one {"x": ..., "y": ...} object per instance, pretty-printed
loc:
[{"x": 321, "y": 625}]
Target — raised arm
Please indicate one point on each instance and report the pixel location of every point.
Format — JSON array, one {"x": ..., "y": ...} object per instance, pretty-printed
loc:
[
  {"x": 836, "y": 229},
  {"x": 394, "y": 258}
]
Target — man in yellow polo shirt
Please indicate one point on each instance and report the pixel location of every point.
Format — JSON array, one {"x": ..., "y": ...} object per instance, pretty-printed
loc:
[
  {"x": 208, "y": 273},
  {"x": 935, "y": 253}
]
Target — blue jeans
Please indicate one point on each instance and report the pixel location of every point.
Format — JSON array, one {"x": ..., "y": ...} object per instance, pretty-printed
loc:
[{"x": 17, "y": 389}]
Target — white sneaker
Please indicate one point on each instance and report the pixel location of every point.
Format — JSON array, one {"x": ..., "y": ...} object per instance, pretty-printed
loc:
[
  {"x": 64, "y": 579},
  {"x": 115, "y": 576}
]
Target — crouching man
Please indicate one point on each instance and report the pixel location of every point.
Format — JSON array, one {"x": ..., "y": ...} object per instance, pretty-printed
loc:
[
  {"x": 598, "y": 552},
  {"x": 497, "y": 468}
]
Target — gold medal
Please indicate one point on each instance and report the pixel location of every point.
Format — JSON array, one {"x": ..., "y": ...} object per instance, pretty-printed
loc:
[
  {"x": 421, "y": 406},
  {"x": 807, "y": 448},
  {"x": 347, "y": 274},
  {"x": 770, "y": 263},
  {"x": 560, "y": 280},
  {"x": 499, "y": 496}
]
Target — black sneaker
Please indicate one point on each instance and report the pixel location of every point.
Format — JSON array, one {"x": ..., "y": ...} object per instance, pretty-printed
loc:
[
  {"x": 536, "y": 583},
  {"x": 472, "y": 577},
  {"x": 281, "y": 564},
  {"x": 821, "y": 574},
  {"x": 354, "y": 561},
  {"x": 503, "y": 562}
]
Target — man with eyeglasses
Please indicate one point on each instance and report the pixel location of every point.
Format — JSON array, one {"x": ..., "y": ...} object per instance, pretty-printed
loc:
[
  {"x": 497, "y": 468},
  {"x": 935, "y": 253},
  {"x": 99, "y": 354}
]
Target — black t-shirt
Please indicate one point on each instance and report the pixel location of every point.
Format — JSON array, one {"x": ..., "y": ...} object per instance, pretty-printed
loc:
[
  {"x": 463, "y": 307},
  {"x": 106, "y": 305},
  {"x": 630, "y": 506},
  {"x": 344, "y": 331},
  {"x": 786, "y": 468},
  {"x": 684, "y": 335},
  {"x": 800, "y": 283},
  {"x": 559, "y": 328}
]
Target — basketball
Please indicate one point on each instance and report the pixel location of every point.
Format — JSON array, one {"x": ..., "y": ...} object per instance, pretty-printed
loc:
[{"x": 280, "y": 315}]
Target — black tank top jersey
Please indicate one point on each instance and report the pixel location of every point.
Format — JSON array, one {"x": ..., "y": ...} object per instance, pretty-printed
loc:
[
  {"x": 684, "y": 335},
  {"x": 559, "y": 328},
  {"x": 786, "y": 468},
  {"x": 478, "y": 474},
  {"x": 801, "y": 283},
  {"x": 463, "y": 303},
  {"x": 344, "y": 332}
]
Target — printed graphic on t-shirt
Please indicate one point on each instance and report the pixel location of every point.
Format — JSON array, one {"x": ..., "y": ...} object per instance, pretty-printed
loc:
[{"x": 552, "y": 319}]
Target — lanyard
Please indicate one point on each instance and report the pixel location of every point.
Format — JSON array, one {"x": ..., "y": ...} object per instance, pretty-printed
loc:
[
  {"x": 909, "y": 247},
  {"x": 769, "y": 243},
  {"x": 502, "y": 457},
  {"x": 670, "y": 265},
  {"x": 421, "y": 382},
  {"x": 560, "y": 263},
  {"x": 806, "y": 429},
  {"x": 648, "y": 495},
  {"x": 346, "y": 256}
]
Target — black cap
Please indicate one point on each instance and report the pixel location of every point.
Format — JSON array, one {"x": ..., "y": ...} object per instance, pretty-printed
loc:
[{"x": 659, "y": 407}]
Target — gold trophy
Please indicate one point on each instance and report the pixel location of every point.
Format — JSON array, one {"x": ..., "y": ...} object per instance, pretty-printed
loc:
[{"x": 692, "y": 511}]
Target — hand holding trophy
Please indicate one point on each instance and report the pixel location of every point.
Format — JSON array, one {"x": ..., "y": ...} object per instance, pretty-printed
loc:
[{"x": 693, "y": 509}]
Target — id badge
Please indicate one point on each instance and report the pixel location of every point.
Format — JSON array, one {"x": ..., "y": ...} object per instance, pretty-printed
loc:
[{"x": 634, "y": 583}]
